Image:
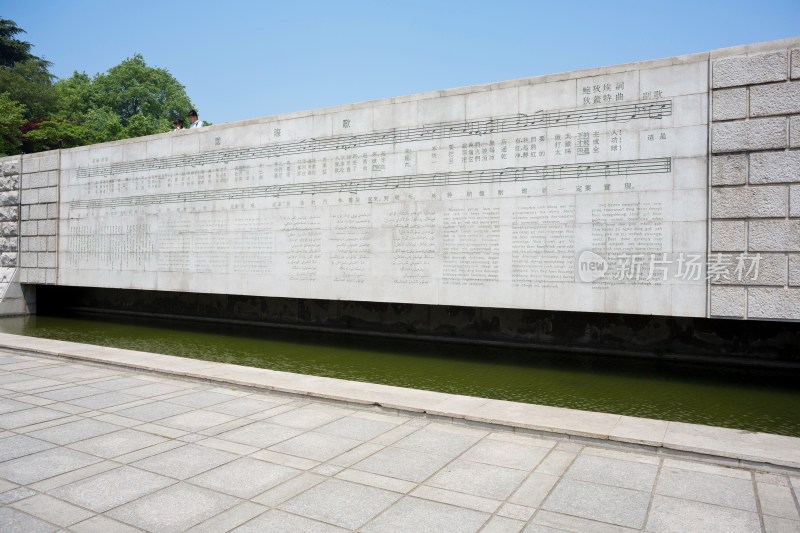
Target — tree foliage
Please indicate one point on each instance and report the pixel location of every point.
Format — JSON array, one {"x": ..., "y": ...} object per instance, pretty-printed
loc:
[
  {"x": 12, "y": 50},
  {"x": 130, "y": 100},
  {"x": 12, "y": 117}
]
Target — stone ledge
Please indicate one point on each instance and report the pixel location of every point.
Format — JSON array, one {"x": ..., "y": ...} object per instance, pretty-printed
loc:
[{"x": 745, "y": 448}]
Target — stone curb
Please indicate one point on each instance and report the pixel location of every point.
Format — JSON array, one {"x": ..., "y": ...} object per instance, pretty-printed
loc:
[{"x": 731, "y": 447}]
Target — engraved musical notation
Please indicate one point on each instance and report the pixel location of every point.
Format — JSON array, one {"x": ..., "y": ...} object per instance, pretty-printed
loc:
[
  {"x": 441, "y": 130},
  {"x": 577, "y": 170}
]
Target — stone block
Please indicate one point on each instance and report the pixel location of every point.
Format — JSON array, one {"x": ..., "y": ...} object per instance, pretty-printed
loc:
[
  {"x": 752, "y": 269},
  {"x": 746, "y": 135},
  {"x": 28, "y": 260},
  {"x": 9, "y": 229},
  {"x": 48, "y": 260},
  {"x": 794, "y": 201},
  {"x": 795, "y": 74},
  {"x": 30, "y": 196},
  {"x": 9, "y": 214},
  {"x": 774, "y": 236},
  {"x": 749, "y": 202},
  {"x": 52, "y": 210},
  {"x": 25, "y": 244},
  {"x": 32, "y": 275},
  {"x": 777, "y": 99},
  {"x": 728, "y": 236},
  {"x": 775, "y": 167},
  {"x": 728, "y": 301},
  {"x": 794, "y": 270},
  {"x": 9, "y": 183},
  {"x": 48, "y": 194},
  {"x": 9, "y": 198},
  {"x": 25, "y": 212},
  {"x": 794, "y": 132},
  {"x": 8, "y": 259},
  {"x": 37, "y": 212},
  {"x": 28, "y": 228},
  {"x": 35, "y": 180},
  {"x": 52, "y": 244},
  {"x": 10, "y": 168},
  {"x": 47, "y": 227},
  {"x": 50, "y": 276},
  {"x": 52, "y": 178},
  {"x": 730, "y": 104},
  {"x": 774, "y": 303},
  {"x": 37, "y": 244},
  {"x": 8, "y": 244},
  {"x": 747, "y": 70},
  {"x": 729, "y": 169}
]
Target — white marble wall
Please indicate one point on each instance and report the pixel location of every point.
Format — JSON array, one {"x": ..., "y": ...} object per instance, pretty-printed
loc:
[{"x": 501, "y": 196}]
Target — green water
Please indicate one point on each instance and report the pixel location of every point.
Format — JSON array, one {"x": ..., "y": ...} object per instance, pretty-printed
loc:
[{"x": 736, "y": 398}]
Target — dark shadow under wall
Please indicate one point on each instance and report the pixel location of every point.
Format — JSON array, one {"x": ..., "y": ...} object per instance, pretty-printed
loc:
[{"x": 736, "y": 342}]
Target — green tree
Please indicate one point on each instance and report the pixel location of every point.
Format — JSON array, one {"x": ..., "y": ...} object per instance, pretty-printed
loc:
[
  {"x": 12, "y": 117},
  {"x": 132, "y": 88},
  {"x": 52, "y": 134},
  {"x": 12, "y": 50},
  {"x": 29, "y": 83},
  {"x": 130, "y": 100}
]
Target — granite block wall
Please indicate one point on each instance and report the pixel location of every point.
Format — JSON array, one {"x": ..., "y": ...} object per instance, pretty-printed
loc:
[
  {"x": 12, "y": 301},
  {"x": 39, "y": 218},
  {"x": 755, "y": 180}
]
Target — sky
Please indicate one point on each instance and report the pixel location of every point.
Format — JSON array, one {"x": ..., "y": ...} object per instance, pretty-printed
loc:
[{"x": 241, "y": 60}]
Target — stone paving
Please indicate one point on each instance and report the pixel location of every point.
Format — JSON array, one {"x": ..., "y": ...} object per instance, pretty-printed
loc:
[{"x": 89, "y": 448}]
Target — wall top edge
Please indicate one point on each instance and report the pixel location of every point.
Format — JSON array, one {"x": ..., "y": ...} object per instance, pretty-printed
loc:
[
  {"x": 509, "y": 84},
  {"x": 756, "y": 48},
  {"x": 48, "y": 153}
]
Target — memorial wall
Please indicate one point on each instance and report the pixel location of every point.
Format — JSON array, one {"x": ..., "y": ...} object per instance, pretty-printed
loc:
[{"x": 579, "y": 192}]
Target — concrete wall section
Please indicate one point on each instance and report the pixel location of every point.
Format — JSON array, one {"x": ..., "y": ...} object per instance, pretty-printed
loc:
[
  {"x": 755, "y": 171},
  {"x": 584, "y": 191}
]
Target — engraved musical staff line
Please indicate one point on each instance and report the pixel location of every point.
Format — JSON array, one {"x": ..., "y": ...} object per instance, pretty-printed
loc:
[
  {"x": 539, "y": 120},
  {"x": 443, "y": 179}
]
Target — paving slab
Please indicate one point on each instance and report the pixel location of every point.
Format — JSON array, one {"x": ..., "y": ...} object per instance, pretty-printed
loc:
[
  {"x": 615, "y": 472},
  {"x": 341, "y": 503},
  {"x": 45, "y": 464},
  {"x": 185, "y": 461},
  {"x": 117, "y": 443},
  {"x": 112, "y": 488},
  {"x": 675, "y": 515},
  {"x": 690, "y": 485},
  {"x": 487, "y": 481},
  {"x": 412, "y": 515},
  {"x": 245, "y": 477},
  {"x": 74, "y": 431},
  {"x": 21, "y": 445},
  {"x": 53, "y": 510},
  {"x": 602, "y": 503},
  {"x": 276, "y": 521},
  {"x": 409, "y": 465},
  {"x": 175, "y": 508},
  {"x": 28, "y": 417},
  {"x": 13, "y": 521}
]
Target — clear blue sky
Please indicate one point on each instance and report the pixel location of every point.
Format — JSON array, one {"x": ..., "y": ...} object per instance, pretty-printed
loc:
[{"x": 242, "y": 60}]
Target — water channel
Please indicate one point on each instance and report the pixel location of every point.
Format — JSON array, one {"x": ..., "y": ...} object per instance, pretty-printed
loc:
[{"x": 747, "y": 399}]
